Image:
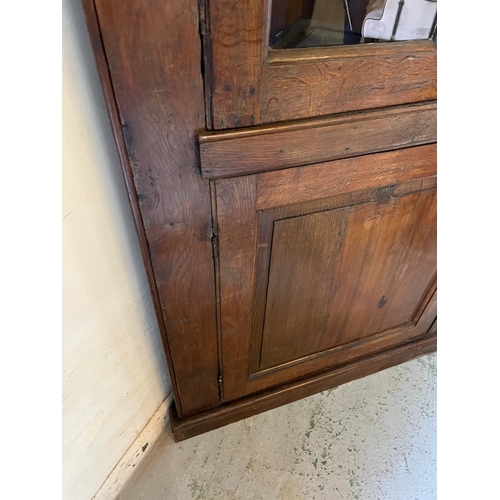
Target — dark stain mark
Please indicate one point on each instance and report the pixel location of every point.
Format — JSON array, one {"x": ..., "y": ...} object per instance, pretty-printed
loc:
[
  {"x": 386, "y": 191},
  {"x": 282, "y": 151},
  {"x": 252, "y": 90},
  {"x": 382, "y": 302},
  {"x": 127, "y": 136},
  {"x": 227, "y": 87},
  {"x": 144, "y": 447},
  {"x": 339, "y": 233},
  {"x": 142, "y": 197}
]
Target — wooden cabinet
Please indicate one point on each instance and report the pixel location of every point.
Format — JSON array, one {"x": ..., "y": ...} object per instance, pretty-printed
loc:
[{"x": 285, "y": 199}]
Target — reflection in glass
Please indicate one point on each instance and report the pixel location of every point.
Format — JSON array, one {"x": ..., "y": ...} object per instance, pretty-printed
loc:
[{"x": 315, "y": 23}]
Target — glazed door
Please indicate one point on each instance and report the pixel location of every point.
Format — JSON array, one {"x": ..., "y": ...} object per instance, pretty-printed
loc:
[
  {"x": 325, "y": 221},
  {"x": 276, "y": 60}
]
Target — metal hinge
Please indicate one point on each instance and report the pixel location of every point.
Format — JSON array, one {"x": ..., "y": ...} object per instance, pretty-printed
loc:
[
  {"x": 215, "y": 246},
  {"x": 219, "y": 385},
  {"x": 203, "y": 17}
]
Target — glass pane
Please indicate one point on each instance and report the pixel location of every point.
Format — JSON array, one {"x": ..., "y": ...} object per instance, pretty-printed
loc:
[{"x": 316, "y": 23}]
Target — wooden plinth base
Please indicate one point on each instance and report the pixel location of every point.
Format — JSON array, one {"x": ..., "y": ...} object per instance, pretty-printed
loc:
[{"x": 257, "y": 403}]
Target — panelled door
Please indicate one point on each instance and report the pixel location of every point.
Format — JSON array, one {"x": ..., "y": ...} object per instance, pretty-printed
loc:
[
  {"x": 323, "y": 182},
  {"x": 323, "y": 264}
]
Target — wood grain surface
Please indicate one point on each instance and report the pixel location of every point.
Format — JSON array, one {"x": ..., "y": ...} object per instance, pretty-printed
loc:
[
  {"x": 346, "y": 274},
  {"x": 267, "y": 400},
  {"x": 315, "y": 88},
  {"x": 236, "y": 45},
  {"x": 279, "y": 248},
  {"x": 252, "y": 85},
  {"x": 302, "y": 184},
  {"x": 153, "y": 52},
  {"x": 258, "y": 149},
  {"x": 237, "y": 249}
]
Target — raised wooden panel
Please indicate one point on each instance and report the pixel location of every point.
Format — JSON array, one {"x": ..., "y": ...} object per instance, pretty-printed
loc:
[
  {"x": 342, "y": 275},
  {"x": 258, "y": 149},
  {"x": 323, "y": 264},
  {"x": 305, "y": 254}
]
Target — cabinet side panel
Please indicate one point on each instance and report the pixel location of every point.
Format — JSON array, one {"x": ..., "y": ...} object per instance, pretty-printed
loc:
[{"x": 154, "y": 57}]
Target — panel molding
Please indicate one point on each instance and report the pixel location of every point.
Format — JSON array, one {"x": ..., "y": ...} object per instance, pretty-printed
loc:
[
  {"x": 279, "y": 57},
  {"x": 352, "y": 349},
  {"x": 263, "y": 148},
  {"x": 313, "y": 182}
]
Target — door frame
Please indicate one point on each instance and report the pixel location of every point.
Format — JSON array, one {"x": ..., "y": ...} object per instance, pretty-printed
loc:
[{"x": 276, "y": 85}]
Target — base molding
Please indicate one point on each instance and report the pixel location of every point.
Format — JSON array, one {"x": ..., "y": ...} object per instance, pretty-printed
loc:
[{"x": 257, "y": 403}]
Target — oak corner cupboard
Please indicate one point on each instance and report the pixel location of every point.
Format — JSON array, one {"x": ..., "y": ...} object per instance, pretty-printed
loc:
[{"x": 280, "y": 160}]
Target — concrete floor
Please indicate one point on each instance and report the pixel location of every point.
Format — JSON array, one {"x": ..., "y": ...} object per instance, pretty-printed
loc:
[{"x": 373, "y": 438}]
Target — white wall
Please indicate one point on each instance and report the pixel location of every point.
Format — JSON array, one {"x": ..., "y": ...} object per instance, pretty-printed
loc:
[{"x": 114, "y": 371}]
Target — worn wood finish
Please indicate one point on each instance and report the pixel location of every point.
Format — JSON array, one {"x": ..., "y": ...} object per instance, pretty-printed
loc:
[
  {"x": 349, "y": 198},
  {"x": 251, "y": 85},
  {"x": 259, "y": 149},
  {"x": 109, "y": 98},
  {"x": 236, "y": 224},
  {"x": 340, "y": 52},
  {"x": 331, "y": 338},
  {"x": 331, "y": 358},
  {"x": 417, "y": 325},
  {"x": 236, "y": 45},
  {"x": 428, "y": 315},
  {"x": 301, "y": 283},
  {"x": 232, "y": 412},
  {"x": 263, "y": 233},
  {"x": 306, "y": 256},
  {"x": 153, "y": 53},
  {"x": 304, "y": 184},
  {"x": 305, "y": 89},
  {"x": 361, "y": 270}
]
